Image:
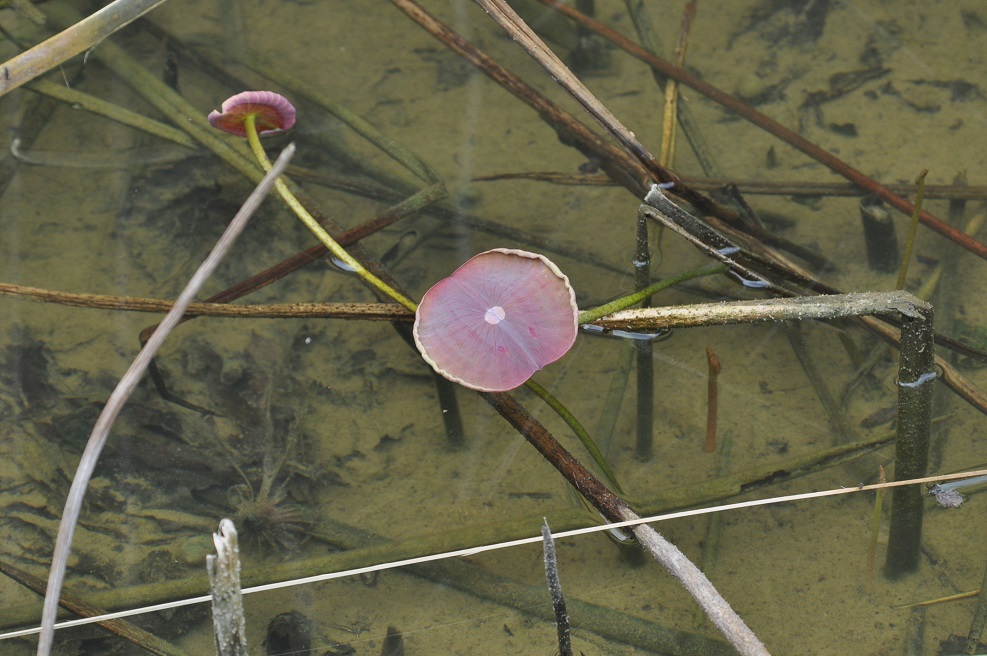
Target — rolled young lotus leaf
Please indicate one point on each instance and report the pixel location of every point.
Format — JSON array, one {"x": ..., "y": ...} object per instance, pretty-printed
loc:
[{"x": 273, "y": 112}]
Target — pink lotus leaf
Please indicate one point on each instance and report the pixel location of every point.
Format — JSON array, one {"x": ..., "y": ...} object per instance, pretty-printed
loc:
[{"x": 499, "y": 318}]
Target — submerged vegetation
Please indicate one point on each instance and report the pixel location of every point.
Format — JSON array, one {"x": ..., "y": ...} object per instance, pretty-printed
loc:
[{"x": 297, "y": 411}]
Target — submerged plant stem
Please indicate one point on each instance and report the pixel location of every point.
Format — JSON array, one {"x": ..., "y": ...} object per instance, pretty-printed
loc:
[
  {"x": 594, "y": 314},
  {"x": 875, "y": 529},
  {"x": 577, "y": 428},
  {"x": 252, "y": 137},
  {"x": 643, "y": 350}
]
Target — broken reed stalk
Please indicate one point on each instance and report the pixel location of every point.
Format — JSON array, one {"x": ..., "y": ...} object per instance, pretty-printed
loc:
[
  {"x": 806, "y": 307},
  {"x": 229, "y": 623},
  {"x": 828, "y": 306},
  {"x": 555, "y": 589},
  {"x": 746, "y": 267},
  {"x": 880, "y": 236},
  {"x": 123, "y": 390},
  {"x": 645, "y": 369},
  {"x": 712, "y": 399},
  {"x": 916, "y": 384}
]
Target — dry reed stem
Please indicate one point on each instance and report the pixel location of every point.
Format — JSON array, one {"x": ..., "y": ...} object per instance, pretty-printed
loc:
[{"x": 70, "y": 42}]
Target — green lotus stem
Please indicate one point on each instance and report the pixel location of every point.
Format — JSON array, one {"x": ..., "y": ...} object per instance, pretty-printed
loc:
[
  {"x": 589, "y": 316},
  {"x": 357, "y": 123},
  {"x": 250, "y": 123},
  {"x": 577, "y": 428}
]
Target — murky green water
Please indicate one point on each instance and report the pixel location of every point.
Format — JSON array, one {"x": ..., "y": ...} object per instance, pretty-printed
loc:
[{"x": 325, "y": 439}]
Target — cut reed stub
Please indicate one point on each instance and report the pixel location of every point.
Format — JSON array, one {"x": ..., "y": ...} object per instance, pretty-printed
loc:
[
  {"x": 879, "y": 236},
  {"x": 498, "y": 319}
]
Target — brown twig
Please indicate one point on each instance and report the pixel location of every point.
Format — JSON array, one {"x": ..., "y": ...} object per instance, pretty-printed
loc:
[
  {"x": 364, "y": 311},
  {"x": 588, "y": 485},
  {"x": 712, "y": 399}
]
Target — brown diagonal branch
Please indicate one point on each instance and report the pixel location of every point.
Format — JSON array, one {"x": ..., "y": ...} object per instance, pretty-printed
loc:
[{"x": 790, "y": 137}]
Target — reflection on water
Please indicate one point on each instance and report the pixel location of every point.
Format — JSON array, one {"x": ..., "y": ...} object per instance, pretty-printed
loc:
[{"x": 325, "y": 439}]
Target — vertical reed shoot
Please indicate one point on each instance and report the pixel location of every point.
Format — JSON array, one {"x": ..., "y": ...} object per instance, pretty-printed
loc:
[
  {"x": 875, "y": 529},
  {"x": 910, "y": 242},
  {"x": 712, "y": 399}
]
